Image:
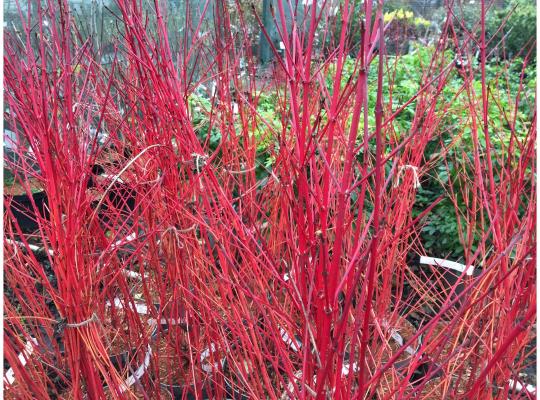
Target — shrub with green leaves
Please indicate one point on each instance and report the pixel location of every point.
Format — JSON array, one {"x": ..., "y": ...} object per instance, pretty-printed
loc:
[
  {"x": 519, "y": 32},
  {"x": 267, "y": 116},
  {"x": 440, "y": 235},
  {"x": 510, "y": 30}
]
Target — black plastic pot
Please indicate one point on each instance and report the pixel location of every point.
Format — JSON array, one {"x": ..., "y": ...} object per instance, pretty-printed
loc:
[
  {"x": 443, "y": 279},
  {"x": 423, "y": 373},
  {"x": 188, "y": 392},
  {"x": 24, "y": 212},
  {"x": 120, "y": 361},
  {"x": 120, "y": 197},
  {"x": 60, "y": 382},
  {"x": 58, "y": 378},
  {"x": 235, "y": 394}
]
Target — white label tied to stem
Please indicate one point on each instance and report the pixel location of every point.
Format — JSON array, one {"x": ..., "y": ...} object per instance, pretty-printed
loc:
[
  {"x": 130, "y": 381},
  {"x": 519, "y": 387},
  {"x": 439, "y": 262},
  {"x": 207, "y": 367},
  {"x": 9, "y": 378},
  {"x": 294, "y": 344}
]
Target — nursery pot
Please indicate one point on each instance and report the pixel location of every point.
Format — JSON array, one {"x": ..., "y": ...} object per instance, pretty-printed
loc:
[
  {"x": 443, "y": 279},
  {"x": 188, "y": 392},
  {"x": 121, "y": 360},
  {"x": 24, "y": 212},
  {"x": 120, "y": 197},
  {"x": 181, "y": 392},
  {"x": 423, "y": 373}
]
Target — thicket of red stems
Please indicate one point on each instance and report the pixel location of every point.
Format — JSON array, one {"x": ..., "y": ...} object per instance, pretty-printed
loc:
[{"x": 295, "y": 278}]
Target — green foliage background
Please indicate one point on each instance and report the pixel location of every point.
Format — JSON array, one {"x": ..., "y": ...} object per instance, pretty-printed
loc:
[{"x": 440, "y": 234}]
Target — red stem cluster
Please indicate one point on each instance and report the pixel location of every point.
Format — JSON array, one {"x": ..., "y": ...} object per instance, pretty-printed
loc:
[{"x": 220, "y": 274}]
